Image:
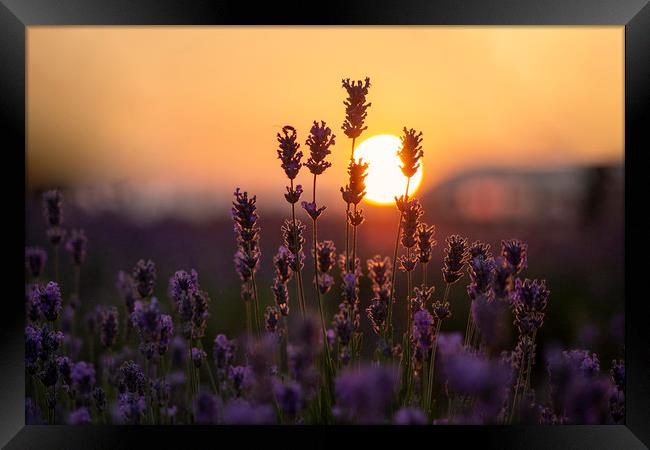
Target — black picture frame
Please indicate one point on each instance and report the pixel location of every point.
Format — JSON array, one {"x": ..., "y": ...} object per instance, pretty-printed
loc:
[{"x": 634, "y": 15}]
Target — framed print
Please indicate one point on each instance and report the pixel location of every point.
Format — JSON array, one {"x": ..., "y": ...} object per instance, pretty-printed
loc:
[{"x": 377, "y": 221}]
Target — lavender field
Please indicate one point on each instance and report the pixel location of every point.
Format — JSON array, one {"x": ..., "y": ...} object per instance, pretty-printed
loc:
[{"x": 328, "y": 313}]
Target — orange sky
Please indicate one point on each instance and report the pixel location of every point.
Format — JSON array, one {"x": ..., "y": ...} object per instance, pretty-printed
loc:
[{"x": 172, "y": 111}]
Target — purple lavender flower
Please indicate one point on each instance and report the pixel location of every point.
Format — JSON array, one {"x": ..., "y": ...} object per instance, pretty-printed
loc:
[
  {"x": 343, "y": 325},
  {"x": 50, "y": 342},
  {"x": 407, "y": 263},
  {"x": 455, "y": 257},
  {"x": 49, "y": 300},
  {"x": 380, "y": 270},
  {"x": 35, "y": 258},
  {"x": 529, "y": 300},
  {"x": 319, "y": 141},
  {"x": 481, "y": 274},
  {"x": 294, "y": 241},
  {"x": 325, "y": 256},
  {"x": 410, "y": 152},
  {"x": 200, "y": 314},
  {"x": 109, "y": 327},
  {"x": 325, "y": 283},
  {"x": 49, "y": 375},
  {"x": 363, "y": 395},
  {"x": 144, "y": 277},
  {"x": 55, "y": 235},
  {"x": 293, "y": 194},
  {"x": 410, "y": 416},
  {"x": 425, "y": 241},
  {"x": 223, "y": 352},
  {"x": 502, "y": 278},
  {"x": 76, "y": 246},
  {"x": 237, "y": 376},
  {"x": 271, "y": 319},
  {"x": 198, "y": 356},
  {"x": 131, "y": 408},
  {"x": 516, "y": 252},
  {"x": 377, "y": 311},
  {"x": 350, "y": 288},
  {"x": 79, "y": 416},
  {"x": 423, "y": 331},
  {"x": 288, "y": 152},
  {"x": 479, "y": 249},
  {"x": 410, "y": 221},
  {"x": 355, "y": 190},
  {"x": 133, "y": 379},
  {"x": 83, "y": 378},
  {"x": 312, "y": 210},
  {"x": 166, "y": 333},
  {"x": 183, "y": 284},
  {"x": 53, "y": 207},
  {"x": 281, "y": 295},
  {"x": 355, "y": 107},
  {"x": 282, "y": 262}
]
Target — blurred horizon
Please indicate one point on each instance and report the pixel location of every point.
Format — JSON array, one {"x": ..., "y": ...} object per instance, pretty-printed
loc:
[{"x": 167, "y": 121}]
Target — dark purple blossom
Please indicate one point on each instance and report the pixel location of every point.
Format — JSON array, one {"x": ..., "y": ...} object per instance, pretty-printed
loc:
[
  {"x": 355, "y": 107},
  {"x": 99, "y": 399},
  {"x": 455, "y": 258},
  {"x": 355, "y": 190},
  {"x": 288, "y": 152},
  {"x": 516, "y": 252},
  {"x": 312, "y": 210},
  {"x": 133, "y": 379},
  {"x": 319, "y": 141},
  {"x": 293, "y": 194},
  {"x": 131, "y": 408},
  {"x": 223, "y": 352},
  {"x": 423, "y": 331},
  {"x": 83, "y": 378},
  {"x": 425, "y": 241},
  {"x": 410, "y": 152},
  {"x": 481, "y": 274},
  {"x": 282, "y": 263},
  {"x": 343, "y": 325},
  {"x": 49, "y": 300},
  {"x": 410, "y": 220},
  {"x": 109, "y": 327},
  {"x": 271, "y": 319},
  {"x": 33, "y": 347},
  {"x": 198, "y": 356},
  {"x": 281, "y": 295},
  {"x": 144, "y": 277}
]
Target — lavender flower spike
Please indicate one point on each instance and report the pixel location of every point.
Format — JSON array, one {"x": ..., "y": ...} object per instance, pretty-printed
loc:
[
  {"x": 355, "y": 107},
  {"x": 319, "y": 141},
  {"x": 35, "y": 258},
  {"x": 76, "y": 246}
]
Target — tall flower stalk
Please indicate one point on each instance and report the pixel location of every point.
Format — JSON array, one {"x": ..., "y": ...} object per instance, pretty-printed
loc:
[
  {"x": 290, "y": 156},
  {"x": 409, "y": 154},
  {"x": 247, "y": 257},
  {"x": 353, "y": 125},
  {"x": 319, "y": 141}
]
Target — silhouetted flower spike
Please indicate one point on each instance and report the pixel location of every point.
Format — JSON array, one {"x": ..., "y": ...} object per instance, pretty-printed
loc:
[
  {"x": 356, "y": 189},
  {"x": 516, "y": 252},
  {"x": 313, "y": 211},
  {"x": 48, "y": 298},
  {"x": 271, "y": 319},
  {"x": 529, "y": 299},
  {"x": 282, "y": 262},
  {"x": 35, "y": 258},
  {"x": 355, "y": 218},
  {"x": 144, "y": 276},
  {"x": 410, "y": 220},
  {"x": 200, "y": 314},
  {"x": 355, "y": 107},
  {"x": 502, "y": 281},
  {"x": 53, "y": 207},
  {"x": 293, "y": 240},
  {"x": 319, "y": 141},
  {"x": 293, "y": 195},
  {"x": 380, "y": 270},
  {"x": 481, "y": 249},
  {"x": 441, "y": 310},
  {"x": 281, "y": 295},
  {"x": 401, "y": 202},
  {"x": 407, "y": 263},
  {"x": 410, "y": 152},
  {"x": 425, "y": 241},
  {"x": 481, "y": 274},
  {"x": 244, "y": 213},
  {"x": 455, "y": 257},
  {"x": 108, "y": 326},
  {"x": 76, "y": 246},
  {"x": 326, "y": 256},
  {"x": 288, "y": 152},
  {"x": 377, "y": 311}
]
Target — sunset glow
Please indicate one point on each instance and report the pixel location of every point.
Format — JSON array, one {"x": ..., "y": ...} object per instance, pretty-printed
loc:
[{"x": 385, "y": 180}]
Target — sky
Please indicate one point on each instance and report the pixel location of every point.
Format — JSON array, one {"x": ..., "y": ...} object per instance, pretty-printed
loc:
[{"x": 174, "y": 118}]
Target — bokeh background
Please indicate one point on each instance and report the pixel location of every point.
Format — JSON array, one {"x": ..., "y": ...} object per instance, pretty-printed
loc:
[{"x": 149, "y": 130}]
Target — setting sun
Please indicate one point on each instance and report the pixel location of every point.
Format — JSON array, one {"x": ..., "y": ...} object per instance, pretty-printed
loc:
[{"x": 385, "y": 179}]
